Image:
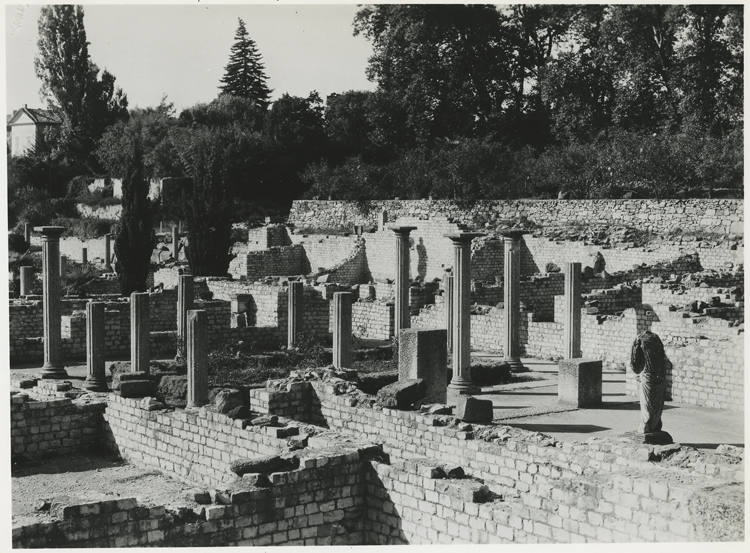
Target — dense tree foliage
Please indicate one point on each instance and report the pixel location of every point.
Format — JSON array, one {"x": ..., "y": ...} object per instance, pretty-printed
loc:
[
  {"x": 245, "y": 75},
  {"x": 85, "y": 102},
  {"x": 135, "y": 239}
]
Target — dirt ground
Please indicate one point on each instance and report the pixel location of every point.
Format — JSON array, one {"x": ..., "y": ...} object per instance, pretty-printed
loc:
[{"x": 82, "y": 478}]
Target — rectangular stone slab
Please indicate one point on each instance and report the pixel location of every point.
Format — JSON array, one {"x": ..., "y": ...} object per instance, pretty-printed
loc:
[{"x": 579, "y": 382}]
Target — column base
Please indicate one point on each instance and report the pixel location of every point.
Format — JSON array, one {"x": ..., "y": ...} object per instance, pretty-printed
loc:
[
  {"x": 51, "y": 372},
  {"x": 515, "y": 365},
  {"x": 462, "y": 387},
  {"x": 96, "y": 385}
]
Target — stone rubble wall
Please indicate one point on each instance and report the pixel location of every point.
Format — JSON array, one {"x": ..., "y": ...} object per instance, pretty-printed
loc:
[
  {"x": 40, "y": 429},
  {"x": 113, "y": 211},
  {"x": 268, "y": 236},
  {"x": 324, "y": 252},
  {"x": 373, "y": 320},
  {"x": 715, "y": 215},
  {"x": 608, "y": 302}
]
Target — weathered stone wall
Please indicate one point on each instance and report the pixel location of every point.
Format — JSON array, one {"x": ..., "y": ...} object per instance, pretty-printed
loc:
[
  {"x": 373, "y": 320},
  {"x": 40, "y": 429},
  {"x": 112, "y": 212},
  {"x": 268, "y": 236},
  {"x": 324, "y": 252},
  {"x": 724, "y": 216}
]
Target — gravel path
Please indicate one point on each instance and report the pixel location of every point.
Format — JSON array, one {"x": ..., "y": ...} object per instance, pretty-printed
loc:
[{"x": 83, "y": 478}]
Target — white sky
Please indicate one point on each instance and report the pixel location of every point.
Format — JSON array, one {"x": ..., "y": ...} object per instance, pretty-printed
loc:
[{"x": 181, "y": 50}]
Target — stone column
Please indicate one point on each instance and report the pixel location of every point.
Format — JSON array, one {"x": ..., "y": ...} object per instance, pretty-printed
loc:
[
  {"x": 402, "y": 315},
  {"x": 342, "y": 330},
  {"x": 382, "y": 220},
  {"x": 184, "y": 304},
  {"x": 572, "y": 332},
  {"x": 461, "y": 382},
  {"x": 84, "y": 256},
  {"x": 295, "y": 298},
  {"x": 27, "y": 280},
  {"x": 175, "y": 242},
  {"x": 448, "y": 306},
  {"x": 107, "y": 248},
  {"x": 27, "y": 233},
  {"x": 140, "y": 332},
  {"x": 96, "y": 380},
  {"x": 512, "y": 290},
  {"x": 197, "y": 358},
  {"x": 63, "y": 265},
  {"x": 53, "y": 367}
]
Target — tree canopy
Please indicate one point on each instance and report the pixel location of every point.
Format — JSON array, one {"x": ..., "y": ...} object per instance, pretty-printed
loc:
[{"x": 245, "y": 75}]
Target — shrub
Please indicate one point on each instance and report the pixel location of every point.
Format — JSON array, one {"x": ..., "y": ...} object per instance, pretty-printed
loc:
[
  {"x": 17, "y": 243},
  {"x": 79, "y": 186}
]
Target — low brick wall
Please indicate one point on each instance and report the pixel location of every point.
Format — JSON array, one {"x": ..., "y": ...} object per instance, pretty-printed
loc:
[
  {"x": 373, "y": 320},
  {"x": 48, "y": 428}
]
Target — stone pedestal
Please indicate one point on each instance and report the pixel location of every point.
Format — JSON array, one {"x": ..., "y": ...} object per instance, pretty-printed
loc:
[
  {"x": 461, "y": 382},
  {"x": 342, "y": 330},
  {"x": 572, "y": 322},
  {"x": 448, "y": 306},
  {"x": 84, "y": 256},
  {"x": 382, "y": 220},
  {"x": 402, "y": 314},
  {"x": 53, "y": 367},
  {"x": 294, "y": 312},
  {"x": 422, "y": 354},
  {"x": 175, "y": 243},
  {"x": 96, "y": 379},
  {"x": 197, "y": 358},
  {"x": 184, "y": 304},
  {"x": 579, "y": 382},
  {"x": 140, "y": 332},
  {"x": 512, "y": 291},
  {"x": 27, "y": 280},
  {"x": 107, "y": 253},
  {"x": 27, "y": 233},
  {"x": 63, "y": 266}
]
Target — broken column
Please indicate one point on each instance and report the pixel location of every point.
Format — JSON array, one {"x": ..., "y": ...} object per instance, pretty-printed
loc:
[
  {"x": 107, "y": 254},
  {"x": 572, "y": 324},
  {"x": 84, "y": 256},
  {"x": 96, "y": 380},
  {"x": 402, "y": 318},
  {"x": 175, "y": 243},
  {"x": 27, "y": 233},
  {"x": 27, "y": 280},
  {"x": 197, "y": 358},
  {"x": 512, "y": 290},
  {"x": 382, "y": 220},
  {"x": 294, "y": 310},
  {"x": 140, "y": 332},
  {"x": 63, "y": 265},
  {"x": 422, "y": 354},
  {"x": 448, "y": 306},
  {"x": 461, "y": 382},
  {"x": 184, "y": 304},
  {"x": 342, "y": 330},
  {"x": 53, "y": 367}
]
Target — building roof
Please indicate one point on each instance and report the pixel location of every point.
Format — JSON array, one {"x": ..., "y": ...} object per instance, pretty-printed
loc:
[{"x": 39, "y": 116}]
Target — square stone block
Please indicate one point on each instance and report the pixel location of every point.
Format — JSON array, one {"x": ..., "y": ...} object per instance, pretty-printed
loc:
[
  {"x": 423, "y": 354},
  {"x": 579, "y": 382}
]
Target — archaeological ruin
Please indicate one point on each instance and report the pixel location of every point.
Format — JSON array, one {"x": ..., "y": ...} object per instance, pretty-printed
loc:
[{"x": 509, "y": 412}]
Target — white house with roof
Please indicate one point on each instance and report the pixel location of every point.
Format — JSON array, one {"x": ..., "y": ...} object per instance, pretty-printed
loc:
[{"x": 26, "y": 130}]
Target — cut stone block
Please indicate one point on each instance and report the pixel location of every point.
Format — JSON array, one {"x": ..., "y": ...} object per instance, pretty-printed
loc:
[
  {"x": 137, "y": 388},
  {"x": 264, "y": 465},
  {"x": 471, "y": 409},
  {"x": 228, "y": 399},
  {"x": 402, "y": 394},
  {"x": 422, "y": 354},
  {"x": 579, "y": 382}
]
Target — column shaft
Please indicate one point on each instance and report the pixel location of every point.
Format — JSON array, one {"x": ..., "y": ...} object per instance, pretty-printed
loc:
[
  {"x": 448, "y": 306},
  {"x": 107, "y": 248},
  {"x": 140, "y": 331},
  {"x": 27, "y": 233},
  {"x": 175, "y": 242},
  {"x": 402, "y": 315},
  {"x": 294, "y": 311},
  {"x": 197, "y": 358},
  {"x": 53, "y": 367},
  {"x": 63, "y": 265},
  {"x": 184, "y": 304},
  {"x": 512, "y": 315},
  {"x": 27, "y": 280},
  {"x": 84, "y": 256},
  {"x": 342, "y": 330},
  {"x": 95, "y": 353},
  {"x": 572, "y": 333}
]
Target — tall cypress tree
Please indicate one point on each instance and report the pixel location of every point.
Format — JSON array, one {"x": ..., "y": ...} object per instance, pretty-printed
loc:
[{"x": 244, "y": 75}]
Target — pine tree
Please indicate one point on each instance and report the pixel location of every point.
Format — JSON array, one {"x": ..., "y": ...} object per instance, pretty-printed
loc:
[{"x": 244, "y": 75}]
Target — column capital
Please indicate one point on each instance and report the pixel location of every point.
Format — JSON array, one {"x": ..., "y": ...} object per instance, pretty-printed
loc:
[
  {"x": 463, "y": 237},
  {"x": 513, "y": 233},
  {"x": 402, "y": 230},
  {"x": 50, "y": 233}
]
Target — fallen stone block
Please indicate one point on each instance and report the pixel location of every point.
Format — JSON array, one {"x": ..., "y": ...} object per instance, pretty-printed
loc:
[
  {"x": 264, "y": 465},
  {"x": 201, "y": 497},
  {"x": 401, "y": 394},
  {"x": 151, "y": 404},
  {"x": 265, "y": 420},
  {"x": 471, "y": 409},
  {"x": 253, "y": 479},
  {"x": 137, "y": 388},
  {"x": 241, "y": 412},
  {"x": 228, "y": 399}
]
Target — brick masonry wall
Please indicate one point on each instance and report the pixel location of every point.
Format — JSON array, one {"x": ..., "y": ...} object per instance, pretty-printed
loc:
[
  {"x": 725, "y": 216},
  {"x": 268, "y": 236},
  {"x": 39, "y": 429},
  {"x": 324, "y": 252},
  {"x": 373, "y": 320}
]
